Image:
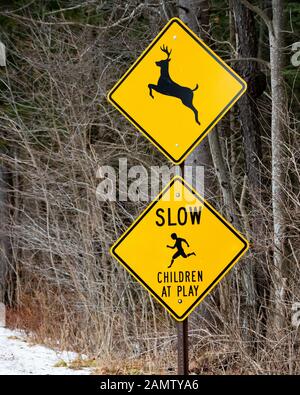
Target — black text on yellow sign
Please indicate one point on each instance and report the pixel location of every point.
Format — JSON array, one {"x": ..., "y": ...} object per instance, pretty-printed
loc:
[
  {"x": 179, "y": 248},
  {"x": 176, "y": 91}
]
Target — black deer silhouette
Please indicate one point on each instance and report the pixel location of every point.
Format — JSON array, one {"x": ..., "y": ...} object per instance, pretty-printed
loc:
[{"x": 167, "y": 86}]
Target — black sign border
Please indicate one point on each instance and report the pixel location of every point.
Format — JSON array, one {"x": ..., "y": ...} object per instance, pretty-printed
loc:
[
  {"x": 121, "y": 109},
  {"x": 150, "y": 207}
]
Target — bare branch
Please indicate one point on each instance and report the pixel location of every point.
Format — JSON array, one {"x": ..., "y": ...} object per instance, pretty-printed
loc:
[
  {"x": 264, "y": 62},
  {"x": 75, "y": 7},
  {"x": 69, "y": 23},
  {"x": 260, "y": 13}
]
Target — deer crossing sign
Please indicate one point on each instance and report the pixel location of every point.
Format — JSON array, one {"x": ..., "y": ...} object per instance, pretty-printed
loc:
[
  {"x": 179, "y": 248},
  {"x": 176, "y": 91}
]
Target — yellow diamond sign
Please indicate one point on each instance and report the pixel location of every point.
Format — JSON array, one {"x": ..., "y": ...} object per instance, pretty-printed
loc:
[
  {"x": 176, "y": 91},
  {"x": 179, "y": 248}
]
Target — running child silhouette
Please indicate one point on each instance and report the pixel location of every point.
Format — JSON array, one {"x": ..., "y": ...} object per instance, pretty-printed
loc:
[{"x": 180, "y": 250}]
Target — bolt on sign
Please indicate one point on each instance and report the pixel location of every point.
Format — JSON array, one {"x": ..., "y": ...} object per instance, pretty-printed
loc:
[
  {"x": 179, "y": 248},
  {"x": 176, "y": 91}
]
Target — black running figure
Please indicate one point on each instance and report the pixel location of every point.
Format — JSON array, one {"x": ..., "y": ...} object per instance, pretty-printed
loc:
[
  {"x": 166, "y": 86},
  {"x": 180, "y": 251}
]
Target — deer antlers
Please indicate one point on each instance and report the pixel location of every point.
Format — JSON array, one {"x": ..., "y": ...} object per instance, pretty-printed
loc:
[{"x": 165, "y": 50}]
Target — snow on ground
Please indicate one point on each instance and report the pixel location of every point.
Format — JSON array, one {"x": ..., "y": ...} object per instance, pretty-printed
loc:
[{"x": 17, "y": 357}]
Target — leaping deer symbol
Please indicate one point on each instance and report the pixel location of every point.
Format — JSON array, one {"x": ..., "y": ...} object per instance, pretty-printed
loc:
[{"x": 167, "y": 86}]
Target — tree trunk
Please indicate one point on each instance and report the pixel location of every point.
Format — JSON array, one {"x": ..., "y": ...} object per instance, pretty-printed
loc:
[
  {"x": 201, "y": 156},
  {"x": 247, "y": 47},
  {"x": 3, "y": 211},
  {"x": 4, "y": 241},
  {"x": 279, "y": 122},
  {"x": 195, "y": 14}
]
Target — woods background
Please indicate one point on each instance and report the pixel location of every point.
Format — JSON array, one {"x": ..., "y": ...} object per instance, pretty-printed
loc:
[{"x": 56, "y": 128}]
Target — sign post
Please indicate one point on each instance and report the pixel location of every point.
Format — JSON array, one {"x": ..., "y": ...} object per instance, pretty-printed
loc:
[
  {"x": 183, "y": 335},
  {"x": 183, "y": 347}
]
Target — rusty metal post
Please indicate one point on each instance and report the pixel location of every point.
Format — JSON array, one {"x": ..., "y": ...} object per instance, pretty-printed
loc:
[
  {"x": 183, "y": 335},
  {"x": 183, "y": 347}
]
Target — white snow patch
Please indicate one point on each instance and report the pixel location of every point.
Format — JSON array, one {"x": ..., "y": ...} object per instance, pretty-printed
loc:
[{"x": 17, "y": 357}]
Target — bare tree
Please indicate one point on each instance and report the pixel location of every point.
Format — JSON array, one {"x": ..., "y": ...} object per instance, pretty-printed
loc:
[
  {"x": 246, "y": 38},
  {"x": 3, "y": 233},
  {"x": 279, "y": 123},
  {"x": 194, "y": 13},
  {"x": 4, "y": 243}
]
